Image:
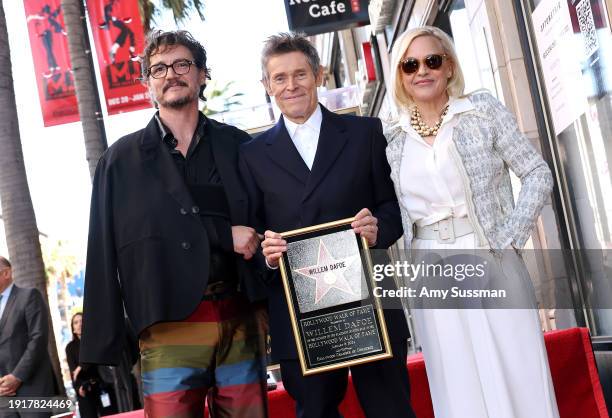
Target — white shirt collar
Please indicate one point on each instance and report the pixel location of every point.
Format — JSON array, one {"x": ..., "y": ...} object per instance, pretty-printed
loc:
[
  {"x": 7, "y": 292},
  {"x": 4, "y": 300},
  {"x": 457, "y": 105},
  {"x": 313, "y": 122}
]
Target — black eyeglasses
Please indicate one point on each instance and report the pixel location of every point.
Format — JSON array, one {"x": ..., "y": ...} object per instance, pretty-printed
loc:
[
  {"x": 179, "y": 67},
  {"x": 432, "y": 61}
]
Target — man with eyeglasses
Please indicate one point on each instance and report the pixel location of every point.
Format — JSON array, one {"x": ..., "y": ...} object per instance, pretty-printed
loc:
[
  {"x": 167, "y": 242},
  {"x": 25, "y": 367}
]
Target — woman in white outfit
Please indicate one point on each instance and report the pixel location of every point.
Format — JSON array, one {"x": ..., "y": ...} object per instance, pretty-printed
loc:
[{"x": 449, "y": 156}]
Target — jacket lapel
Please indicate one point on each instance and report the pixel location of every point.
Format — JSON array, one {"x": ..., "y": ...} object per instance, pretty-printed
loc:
[
  {"x": 332, "y": 139},
  {"x": 282, "y": 151},
  {"x": 8, "y": 308},
  {"x": 158, "y": 160}
]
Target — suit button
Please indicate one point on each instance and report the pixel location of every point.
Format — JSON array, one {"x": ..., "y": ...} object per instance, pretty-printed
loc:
[
  {"x": 186, "y": 245},
  {"x": 183, "y": 211},
  {"x": 195, "y": 209}
]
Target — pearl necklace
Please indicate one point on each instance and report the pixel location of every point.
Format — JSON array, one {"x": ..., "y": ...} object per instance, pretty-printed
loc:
[{"x": 421, "y": 127}]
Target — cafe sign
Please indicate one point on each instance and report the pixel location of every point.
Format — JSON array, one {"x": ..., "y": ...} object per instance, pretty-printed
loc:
[{"x": 320, "y": 16}]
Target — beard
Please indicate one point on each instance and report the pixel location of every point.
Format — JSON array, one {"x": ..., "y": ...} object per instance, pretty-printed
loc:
[{"x": 180, "y": 102}]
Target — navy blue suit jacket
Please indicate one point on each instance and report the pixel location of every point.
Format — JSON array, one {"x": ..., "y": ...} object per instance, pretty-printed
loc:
[{"x": 350, "y": 172}]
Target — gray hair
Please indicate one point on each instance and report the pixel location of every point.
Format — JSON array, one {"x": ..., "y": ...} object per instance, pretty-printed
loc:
[
  {"x": 286, "y": 42},
  {"x": 4, "y": 262}
]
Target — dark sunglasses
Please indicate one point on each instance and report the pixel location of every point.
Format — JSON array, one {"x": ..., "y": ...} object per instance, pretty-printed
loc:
[{"x": 432, "y": 61}]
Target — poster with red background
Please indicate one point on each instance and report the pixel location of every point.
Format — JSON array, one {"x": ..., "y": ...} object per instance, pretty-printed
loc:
[
  {"x": 49, "y": 45},
  {"x": 119, "y": 39}
]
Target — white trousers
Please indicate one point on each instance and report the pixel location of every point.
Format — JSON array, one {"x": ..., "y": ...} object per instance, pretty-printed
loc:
[{"x": 484, "y": 363}]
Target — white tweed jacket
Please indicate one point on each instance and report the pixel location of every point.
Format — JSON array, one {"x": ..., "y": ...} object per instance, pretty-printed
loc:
[{"x": 486, "y": 142}]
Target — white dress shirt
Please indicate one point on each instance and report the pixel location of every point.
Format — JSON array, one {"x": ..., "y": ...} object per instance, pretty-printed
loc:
[
  {"x": 305, "y": 137},
  {"x": 5, "y": 296},
  {"x": 430, "y": 183}
]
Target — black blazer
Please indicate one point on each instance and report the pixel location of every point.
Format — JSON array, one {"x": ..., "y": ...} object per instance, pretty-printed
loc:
[
  {"x": 148, "y": 250},
  {"x": 24, "y": 335},
  {"x": 350, "y": 172}
]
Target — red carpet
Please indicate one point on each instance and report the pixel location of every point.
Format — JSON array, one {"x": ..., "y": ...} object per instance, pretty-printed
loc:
[{"x": 572, "y": 365}]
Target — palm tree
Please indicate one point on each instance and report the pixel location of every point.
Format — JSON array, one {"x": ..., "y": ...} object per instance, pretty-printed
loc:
[
  {"x": 83, "y": 70},
  {"x": 86, "y": 88},
  {"x": 17, "y": 209},
  {"x": 150, "y": 9},
  {"x": 220, "y": 96}
]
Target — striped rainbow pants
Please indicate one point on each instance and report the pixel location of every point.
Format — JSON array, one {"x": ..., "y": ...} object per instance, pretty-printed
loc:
[{"x": 217, "y": 352}]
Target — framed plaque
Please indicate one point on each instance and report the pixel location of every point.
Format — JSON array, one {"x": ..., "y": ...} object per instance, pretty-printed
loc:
[{"x": 327, "y": 276}]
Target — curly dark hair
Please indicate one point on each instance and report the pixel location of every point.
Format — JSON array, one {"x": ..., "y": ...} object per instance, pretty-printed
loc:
[{"x": 157, "y": 41}]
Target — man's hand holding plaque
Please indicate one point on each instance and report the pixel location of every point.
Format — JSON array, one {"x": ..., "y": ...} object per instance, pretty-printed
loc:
[
  {"x": 366, "y": 224},
  {"x": 274, "y": 245}
]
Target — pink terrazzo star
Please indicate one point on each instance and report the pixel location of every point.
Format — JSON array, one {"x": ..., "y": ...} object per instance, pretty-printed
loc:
[{"x": 328, "y": 273}]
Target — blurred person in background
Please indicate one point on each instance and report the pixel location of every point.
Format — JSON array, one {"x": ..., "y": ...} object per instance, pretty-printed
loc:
[
  {"x": 25, "y": 366},
  {"x": 85, "y": 378}
]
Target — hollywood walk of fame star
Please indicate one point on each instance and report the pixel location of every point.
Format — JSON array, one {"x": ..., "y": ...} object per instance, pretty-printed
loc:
[{"x": 328, "y": 273}]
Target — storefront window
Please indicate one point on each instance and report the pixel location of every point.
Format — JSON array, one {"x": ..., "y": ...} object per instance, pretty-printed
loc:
[
  {"x": 574, "y": 52},
  {"x": 477, "y": 69}
]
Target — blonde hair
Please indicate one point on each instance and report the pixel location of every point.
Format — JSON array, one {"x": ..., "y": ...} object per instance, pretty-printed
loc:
[{"x": 456, "y": 83}]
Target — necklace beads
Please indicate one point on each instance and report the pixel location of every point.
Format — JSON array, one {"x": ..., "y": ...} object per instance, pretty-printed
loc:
[{"x": 419, "y": 125}]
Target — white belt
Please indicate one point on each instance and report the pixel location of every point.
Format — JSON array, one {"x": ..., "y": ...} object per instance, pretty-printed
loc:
[{"x": 446, "y": 230}]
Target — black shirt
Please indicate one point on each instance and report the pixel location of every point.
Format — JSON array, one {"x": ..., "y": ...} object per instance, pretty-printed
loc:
[{"x": 200, "y": 174}]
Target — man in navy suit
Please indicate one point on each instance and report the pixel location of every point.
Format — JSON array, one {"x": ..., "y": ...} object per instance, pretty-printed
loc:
[{"x": 312, "y": 167}]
